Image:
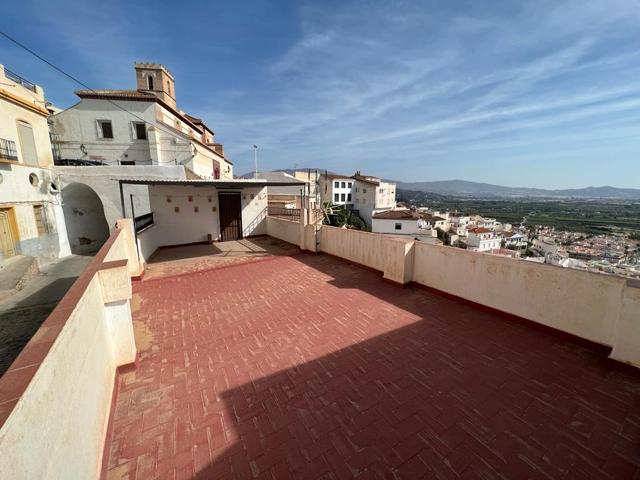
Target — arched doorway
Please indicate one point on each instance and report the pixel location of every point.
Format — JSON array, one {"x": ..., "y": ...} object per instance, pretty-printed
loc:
[{"x": 87, "y": 227}]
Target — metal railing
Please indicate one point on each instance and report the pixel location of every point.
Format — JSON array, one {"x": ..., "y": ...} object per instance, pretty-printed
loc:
[
  {"x": 19, "y": 80},
  {"x": 288, "y": 213},
  {"x": 8, "y": 150},
  {"x": 143, "y": 222}
]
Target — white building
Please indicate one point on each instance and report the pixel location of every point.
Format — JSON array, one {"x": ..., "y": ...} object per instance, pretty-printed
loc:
[
  {"x": 31, "y": 218},
  {"x": 399, "y": 222},
  {"x": 139, "y": 127},
  {"x": 202, "y": 211},
  {"x": 482, "y": 239},
  {"x": 434, "y": 222},
  {"x": 372, "y": 196},
  {"x": 514, "y": 240},
  {"x": 337, "y": 189}
]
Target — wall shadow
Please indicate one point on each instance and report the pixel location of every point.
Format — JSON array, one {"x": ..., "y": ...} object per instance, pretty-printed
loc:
[{"x": 453, "y": 392}]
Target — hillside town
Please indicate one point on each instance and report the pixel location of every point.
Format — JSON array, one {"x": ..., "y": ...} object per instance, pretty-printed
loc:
[{"x": 369, "y": 199}]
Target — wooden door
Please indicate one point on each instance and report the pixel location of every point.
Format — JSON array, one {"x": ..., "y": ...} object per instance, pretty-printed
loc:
[
  {"x": 7, "y": 240},
  {"x": 230, "y": 216}
]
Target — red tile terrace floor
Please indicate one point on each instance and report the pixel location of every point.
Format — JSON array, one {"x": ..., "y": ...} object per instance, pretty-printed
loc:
[{"x": 308, "y": 367}]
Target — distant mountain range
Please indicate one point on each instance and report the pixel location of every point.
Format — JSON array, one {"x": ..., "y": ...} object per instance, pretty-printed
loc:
[
  {"x": 475, "y": 189},
  {"x": 463, "y": 188}
]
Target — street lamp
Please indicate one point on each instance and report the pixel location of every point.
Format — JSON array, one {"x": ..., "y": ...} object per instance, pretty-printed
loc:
[{"x": 255, "y": 161}]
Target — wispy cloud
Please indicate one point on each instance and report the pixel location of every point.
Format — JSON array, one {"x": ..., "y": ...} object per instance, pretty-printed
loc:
[{"x": 402, "y": 89}]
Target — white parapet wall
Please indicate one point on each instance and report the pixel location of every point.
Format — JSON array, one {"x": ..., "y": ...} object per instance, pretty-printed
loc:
[
  {"x": 581, "y": 303},
  {"x": 601, "y": 308},
  {"x": 57, "y": 394},
  {"x": 285, "y": 230},
  {"x": 360, "y": 247}
]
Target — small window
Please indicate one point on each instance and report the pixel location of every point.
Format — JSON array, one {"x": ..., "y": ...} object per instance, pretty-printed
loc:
[
  {"x": 350, "y": 184},
  {"x": 364, "y": 190},
  {"x": 336, "y": 197},
  {"x": 27, "y": 143},
  {"x": 342, "y": 197},
  {"x": 140, "y": 130},
  {"x": 150, "y": 82},
  {"x": 336, "y": 184},
  {"x": 105, "y": 129},
  {"x": 127, "y": 162},
  {"x": 344, "y": 185},
  {"x": 398, "y": 226},
  {"x": 348, "y": 197},
  {"x": 38, "y": 213}
]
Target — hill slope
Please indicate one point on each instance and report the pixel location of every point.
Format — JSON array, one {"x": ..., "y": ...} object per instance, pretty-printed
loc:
[{"x": 475, "y": 189}]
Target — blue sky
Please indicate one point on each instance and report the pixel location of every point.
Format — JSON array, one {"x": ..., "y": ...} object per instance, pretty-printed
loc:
[{"x": 541, "y": 93}]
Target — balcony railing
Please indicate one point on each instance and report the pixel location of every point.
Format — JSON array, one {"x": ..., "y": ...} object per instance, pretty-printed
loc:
[
  {"x": 8, "y": 150},
  {"x": 143, "y": 222},
  {"x": 288, "y": 213},
  {"x": 19, "y": 80}
]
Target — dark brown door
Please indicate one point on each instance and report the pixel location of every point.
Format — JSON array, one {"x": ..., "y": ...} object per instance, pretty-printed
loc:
[{"x": 230, "y": 216}]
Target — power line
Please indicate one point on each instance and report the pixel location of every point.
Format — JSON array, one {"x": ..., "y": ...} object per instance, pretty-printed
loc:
[{"x": 79, "y": 82}]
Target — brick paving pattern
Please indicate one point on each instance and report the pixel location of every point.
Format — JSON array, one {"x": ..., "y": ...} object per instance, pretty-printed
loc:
[{"x": 308, "y": 367}]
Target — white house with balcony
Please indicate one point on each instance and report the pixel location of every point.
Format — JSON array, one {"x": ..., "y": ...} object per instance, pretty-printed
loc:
[
  {"x": 31, "y": 217},
  {"x": 337, "y": 189},
  {"x": 482, "y": 239},
  {"x": 138, "y": 127}
]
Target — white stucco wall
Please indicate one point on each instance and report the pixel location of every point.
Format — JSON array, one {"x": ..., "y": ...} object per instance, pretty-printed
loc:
[
  {"x": 409, "y": 227},
  {"x": 170, "y": 141},
  {"x": 103, "y": 180},
  {"x": 189, "y": 226},
  {"x": 286, "y": 230},
  {"x": 11, "y": 113},
  {"x": 57, "y": 427},
  {"x": 581, "y": 303},
  {"x": 17, "y": 192},
  {"x": 77, "y": 126},
  {"x": 360, "y": 247}
]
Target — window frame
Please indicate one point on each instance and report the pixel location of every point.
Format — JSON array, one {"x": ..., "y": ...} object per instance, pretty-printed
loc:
[
  {"x": 336, "y": 197},
  {"x": 99, "y": 123},
  {"x": 135, "y": 126},
  {"x": 398, "y": 226}
]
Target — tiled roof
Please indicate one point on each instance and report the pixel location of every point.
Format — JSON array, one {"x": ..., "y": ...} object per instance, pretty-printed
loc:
[
  {"x": 365, "y": 179},
  {"x": 397, "y": 215},
  {"x": 117, "y": 95},
  {"x": 480, "y": 230},
  {"x": 431, "y": 218}
]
